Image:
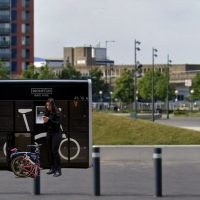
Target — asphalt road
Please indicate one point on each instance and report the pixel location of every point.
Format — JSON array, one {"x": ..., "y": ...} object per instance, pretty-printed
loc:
[{"x": 126, "y": 173}]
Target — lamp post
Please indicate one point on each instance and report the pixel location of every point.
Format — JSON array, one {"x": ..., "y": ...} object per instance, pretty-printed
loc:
[
  {"x": 135, "y": 78},
  {"x": 101, "y": 99},
  {"x": 110, "y": 84},
  {"x": 176, "y": 92},
  {"x": 168, "y": 78},
  {"x": 154, "y": 51},
  {"x": 100, "y": 93},
  {"x": 110, "y": 99},
  {"x": 191, "y": 93},
  {"x": 107, "y": 41}
]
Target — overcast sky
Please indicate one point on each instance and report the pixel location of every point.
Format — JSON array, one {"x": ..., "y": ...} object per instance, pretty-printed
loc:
[{"x": 171, "y": 26}]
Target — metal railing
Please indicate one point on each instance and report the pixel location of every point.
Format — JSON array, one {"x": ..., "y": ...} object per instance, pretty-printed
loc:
[
  {"x": 5, "y": 17},
  {"x": 5, "y": 30},
  {"x": 5, "y": 4},
  {"x": 4, "y": 43}
]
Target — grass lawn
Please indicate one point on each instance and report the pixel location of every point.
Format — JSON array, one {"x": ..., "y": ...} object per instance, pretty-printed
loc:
[{"x": 118, "y": 130}]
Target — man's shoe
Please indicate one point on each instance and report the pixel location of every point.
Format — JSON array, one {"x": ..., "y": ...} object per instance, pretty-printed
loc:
[
  {"x": 51, "y": 171},
  {"x": 57, "y": 173}
]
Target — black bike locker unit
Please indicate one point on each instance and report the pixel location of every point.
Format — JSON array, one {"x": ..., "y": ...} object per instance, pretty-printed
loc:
[{"x": 22, "y": 104}]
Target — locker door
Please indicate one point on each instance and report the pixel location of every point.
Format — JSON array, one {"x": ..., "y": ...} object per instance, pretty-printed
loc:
[{"x": 79, "y": 133}]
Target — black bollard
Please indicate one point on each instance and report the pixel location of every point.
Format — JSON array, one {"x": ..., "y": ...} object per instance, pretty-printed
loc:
[
  {"x": 36, "y": 184},
  {"x": 96, "y": 166},
  {"x": 157, "y": 156}
]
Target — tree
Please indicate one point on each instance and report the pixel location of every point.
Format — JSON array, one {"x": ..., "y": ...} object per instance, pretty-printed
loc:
[
  {"x": 196, "y": 86},
  {"x": 46, "y": 73},
  {"x": 160, "y": 86},
  {"x": 4, "y": 72},
  {"x": 70, "y": 73},
  {"x": 98, "y": 83},
  {"x": 30, "y": 73},
  {"x": 124, "y": 89}
]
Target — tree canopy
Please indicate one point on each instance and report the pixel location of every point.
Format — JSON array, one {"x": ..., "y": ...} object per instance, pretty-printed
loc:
[{"x": 124, "y": 89}]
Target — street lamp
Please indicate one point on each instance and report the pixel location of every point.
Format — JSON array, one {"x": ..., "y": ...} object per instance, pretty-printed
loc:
[
  {"x": 176, "y": 92},
  {"x": 154, "y": 51},
  {"x": 106, "y": 43},
  {"x": 100, "y": 93},
  {"x": 110, "y": 99},
  {"x": 101, "y": 99},
  {"x": 168, "y": 79},
  {"x": 137, "y": 43},
  {"x": 110, "y": 84},
  {"x": 191, "y": 93}
]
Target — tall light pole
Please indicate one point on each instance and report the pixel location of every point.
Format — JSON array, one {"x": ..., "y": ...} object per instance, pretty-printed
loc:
[
  {"x": 191, "y": 100},
  {"x": 154, "y": 51},
  {"x": 101, "y": 99},
  {"x": 137, "y": 43},
  {"x": 110, "y": 99},
  {"x": 107, "y": 41},
  {"x": 110, "y": 85},
  {"x": 168, "y": 79}
]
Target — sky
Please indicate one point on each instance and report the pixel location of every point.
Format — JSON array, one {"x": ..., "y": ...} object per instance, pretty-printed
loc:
[{"x": 170, "y": 26}]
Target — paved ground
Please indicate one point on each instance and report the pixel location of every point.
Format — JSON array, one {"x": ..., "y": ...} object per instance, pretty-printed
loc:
[
  {"x": 183, "y": 122},
  {"x": 127, "y": 173}
]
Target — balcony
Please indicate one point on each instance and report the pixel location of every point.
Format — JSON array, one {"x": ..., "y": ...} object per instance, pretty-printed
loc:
[
  {"x": 4, "y": 43},
  {"x": 5, "y": 56},
  {"x": 5, "y": 4},
  {"x": 5, "y": 30},
  {"x": 4, "y": 17}
]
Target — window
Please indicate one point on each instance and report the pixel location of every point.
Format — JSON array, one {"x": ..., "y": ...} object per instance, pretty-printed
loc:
[
  {"x": 5, "y": 15},
  {"x": 25, "y": 53},
  {"x": 14, "y": 15},
  {"x": 4, "y": 51},
  {"x": 25, "y": 15},
  {"x": 25, "y": 28},
  {"x": 25, "y": 40},
  {"x": 14, "y": 53},
  {"x": 23, "y": 66},
  {"x": 25, "y": 3},
  {"x": 14, "y": 28},
  {"x": 14, "y": 3},
  {"x": 14, "y": 66},
  {"x": 14, "y": 40}
]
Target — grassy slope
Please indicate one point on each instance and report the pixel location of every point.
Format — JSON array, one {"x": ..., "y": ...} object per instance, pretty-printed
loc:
[{"x": 109, "y": 129}]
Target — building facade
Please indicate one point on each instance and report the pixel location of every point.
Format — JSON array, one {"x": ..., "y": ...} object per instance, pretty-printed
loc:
[{"x": 17, "y": 34}]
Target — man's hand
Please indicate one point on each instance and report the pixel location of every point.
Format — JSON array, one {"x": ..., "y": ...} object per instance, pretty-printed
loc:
[{"x": 45, "y": 119}]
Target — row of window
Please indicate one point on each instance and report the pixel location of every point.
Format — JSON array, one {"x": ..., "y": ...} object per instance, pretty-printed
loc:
[
  {"x": 25, "y": 3},
  {"x": 8, "y": 53},
  {"x": 6, "y": 16},
  {"x": 7, "y": 40},
  {"x": 6, "y": 28}
]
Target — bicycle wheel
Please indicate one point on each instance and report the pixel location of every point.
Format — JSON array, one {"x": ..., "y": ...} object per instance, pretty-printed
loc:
[{"x": 21, "y": 167}]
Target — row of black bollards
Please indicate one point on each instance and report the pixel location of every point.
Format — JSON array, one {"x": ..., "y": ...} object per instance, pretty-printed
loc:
[{"x": 157, "y": 157}]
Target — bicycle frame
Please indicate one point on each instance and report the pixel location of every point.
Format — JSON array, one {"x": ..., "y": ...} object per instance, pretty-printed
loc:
[{"x": 32, "y": 168}]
